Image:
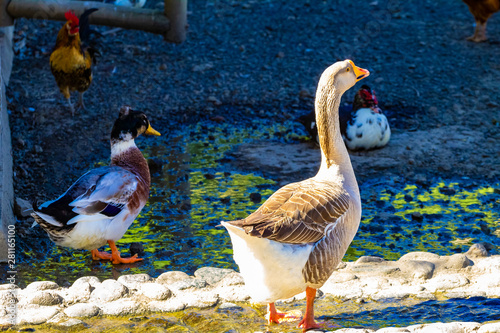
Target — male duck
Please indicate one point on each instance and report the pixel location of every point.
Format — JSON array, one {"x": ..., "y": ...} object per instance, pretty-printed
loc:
[
  {"x": 363, "y": 127},
  {"x": 101, "y": 205},
  {"x": 296, "y": 239}
]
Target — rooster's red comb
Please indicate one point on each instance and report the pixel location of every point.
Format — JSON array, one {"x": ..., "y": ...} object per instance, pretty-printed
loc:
[{"x": 70, "y": 16}]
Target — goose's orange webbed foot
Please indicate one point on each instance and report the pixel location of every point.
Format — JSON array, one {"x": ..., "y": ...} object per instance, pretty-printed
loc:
[{"x": 275, "y": 317}]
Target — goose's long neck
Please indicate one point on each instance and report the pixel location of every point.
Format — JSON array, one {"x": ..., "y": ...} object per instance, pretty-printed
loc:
[{"x": 335, "y": 161}]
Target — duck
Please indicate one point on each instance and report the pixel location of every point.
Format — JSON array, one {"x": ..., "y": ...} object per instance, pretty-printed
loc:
[
  {"x": 102, "y": 204},
  {"x": 295, "y": 240},
  {"x": 363, "y": 125}
]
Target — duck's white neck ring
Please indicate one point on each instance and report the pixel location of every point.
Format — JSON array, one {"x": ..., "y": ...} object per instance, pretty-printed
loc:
[{"x": 118, "y": 147}]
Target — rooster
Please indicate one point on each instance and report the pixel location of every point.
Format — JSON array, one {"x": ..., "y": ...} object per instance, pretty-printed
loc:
[
  {"x": 72, "y": 58},
  {"x": 481, "y": 10}
]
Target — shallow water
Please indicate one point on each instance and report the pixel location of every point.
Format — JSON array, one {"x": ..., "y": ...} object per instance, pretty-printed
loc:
[
  {"x": 244, "y": 318},
  {"x": 194, "y": 187}
]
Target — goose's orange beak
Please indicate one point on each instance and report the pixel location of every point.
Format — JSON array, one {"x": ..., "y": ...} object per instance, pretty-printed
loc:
[{"x": 359, "y": 72}]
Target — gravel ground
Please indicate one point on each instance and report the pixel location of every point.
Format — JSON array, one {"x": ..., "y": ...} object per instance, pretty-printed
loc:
[{"x": 247, "y": 59}]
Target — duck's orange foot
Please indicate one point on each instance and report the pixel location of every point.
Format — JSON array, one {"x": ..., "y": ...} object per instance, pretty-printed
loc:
[
  {"x": 96, "y": 255},
  {"x": 116, "y": 257}
]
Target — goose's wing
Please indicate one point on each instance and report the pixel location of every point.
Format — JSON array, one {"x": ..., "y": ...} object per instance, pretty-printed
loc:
[
  {"x": 104, "y": 191},
  {"x": 298, "y": 213}
]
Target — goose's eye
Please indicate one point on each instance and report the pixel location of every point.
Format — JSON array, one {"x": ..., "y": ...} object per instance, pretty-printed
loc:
[{"x": 348, "y": 69}]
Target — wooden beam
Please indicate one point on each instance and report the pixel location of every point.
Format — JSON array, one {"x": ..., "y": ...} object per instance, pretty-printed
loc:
[
  {"x": 176, "y": 11},
  {"x": 5, "y": 19},
  {"x": 149, "y": 20}
]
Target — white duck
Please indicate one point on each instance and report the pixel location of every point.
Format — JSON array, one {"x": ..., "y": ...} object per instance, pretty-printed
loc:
[
  {"x": 101, "y": 205},
  {"x": 366, "y": 126},
  {"x": 296, "y": 239},
  {"x": 363, "y": 125}
]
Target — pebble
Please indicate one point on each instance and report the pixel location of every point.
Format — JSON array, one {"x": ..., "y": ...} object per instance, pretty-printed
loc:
[
  {"x": 45, "y": 298},
  {"x": 212, "y": 275},
  {"x": 83, "y": 310},
  {"x": 477, "y": 250},
  {"x": 41, "y": 285},
  {"x": 120, "y": 307},
  {"x": 189, "y": 283},
  {"x": 171, "y": 277},
  {"x": 108, "y": 291},
  {"x": 417, "y": 269},
  {"x": 155, "y": 291},
  {"x": 134, "y": 281}
]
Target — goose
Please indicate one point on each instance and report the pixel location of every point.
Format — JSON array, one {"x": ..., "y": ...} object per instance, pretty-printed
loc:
[
  {"x": 363, "y": 125},
  {"x": 102, "y": 204},
  {"x": 296, "y": 239}
]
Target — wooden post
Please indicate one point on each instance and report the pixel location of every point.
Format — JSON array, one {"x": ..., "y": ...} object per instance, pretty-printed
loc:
[
  {"x": 110, "y": 15},
  {"x": 5, "y": 19},
  {"x": 176, "y": 11}
]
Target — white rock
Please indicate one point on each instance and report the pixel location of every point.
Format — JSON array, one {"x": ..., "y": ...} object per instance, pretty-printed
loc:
[
  {"x": 212, "y": 275},
  {"x": 9, "y": 286},
  {"x": 477, "y": 250},
  {"x": 439, "y": 328},
  {"x": 70, "y": 322},
  {"x": 79, "y": 292},
  {"x": 155, "y": 291},
  {"x": 171, "y": 305},
  {"x": 339, "y": 277},
  {"x": 108, "y": 291},
  {"x": 464, "y": 293},
  {"x": 188, "y": 284},
  {"x": 134, "y": 281},
  {"x": 490, "y": 328},
  {"x": 44, "y": 297},
  {"x": 424, "y": 256},
  {"x": 197, "y": 299},
  {"x": 446, "y": 282},
  {"x": 488, "y": 281},
  {"x": 417, "y": 269},
  {"x": 397, "y": 292},
  {"x": 37, "y": 315},
  {"x": 84, "y": 310},
  {"x": 92, "y": 280},
  {"x": 233, "y": 293},
  {"x": 171, "y": 277},
  {"x": 489, "y": 265},
  {"x": 120, "y": 307},
  {"x": 457, "y": 261},
  {"x": 232, "y": 279},
  {"x": 8, "y": 297},
  {"x": 352, "y": 330},
  {"x": 41, "y": 285},
  {"x": 493, "y": 292},
  {"x": 392, "y": 330}
]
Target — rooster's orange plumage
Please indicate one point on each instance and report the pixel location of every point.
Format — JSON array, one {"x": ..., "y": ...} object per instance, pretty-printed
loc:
[
  {"x": 72, "y": 58},
  {"x": 481, "y": 10}
]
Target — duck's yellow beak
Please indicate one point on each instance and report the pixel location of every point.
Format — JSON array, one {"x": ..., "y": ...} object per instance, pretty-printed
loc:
[
  {"x": 151, "y": 131},
  {"x": 359, "y": 72}
]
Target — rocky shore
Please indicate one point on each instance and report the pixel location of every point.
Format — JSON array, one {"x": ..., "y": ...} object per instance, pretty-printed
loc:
[{"x": 418, "y": 275}]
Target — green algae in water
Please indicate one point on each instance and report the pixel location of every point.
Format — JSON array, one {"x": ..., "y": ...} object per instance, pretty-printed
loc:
[{"x": 193, "y": 190}]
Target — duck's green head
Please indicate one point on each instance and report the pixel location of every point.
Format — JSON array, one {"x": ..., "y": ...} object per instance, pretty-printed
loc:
[{"x": 130, "y": 124}]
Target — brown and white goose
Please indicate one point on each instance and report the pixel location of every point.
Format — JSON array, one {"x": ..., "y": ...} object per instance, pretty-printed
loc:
[
  {"x": 296, "y": 239},
  {"x": 101, "y": 205}
]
